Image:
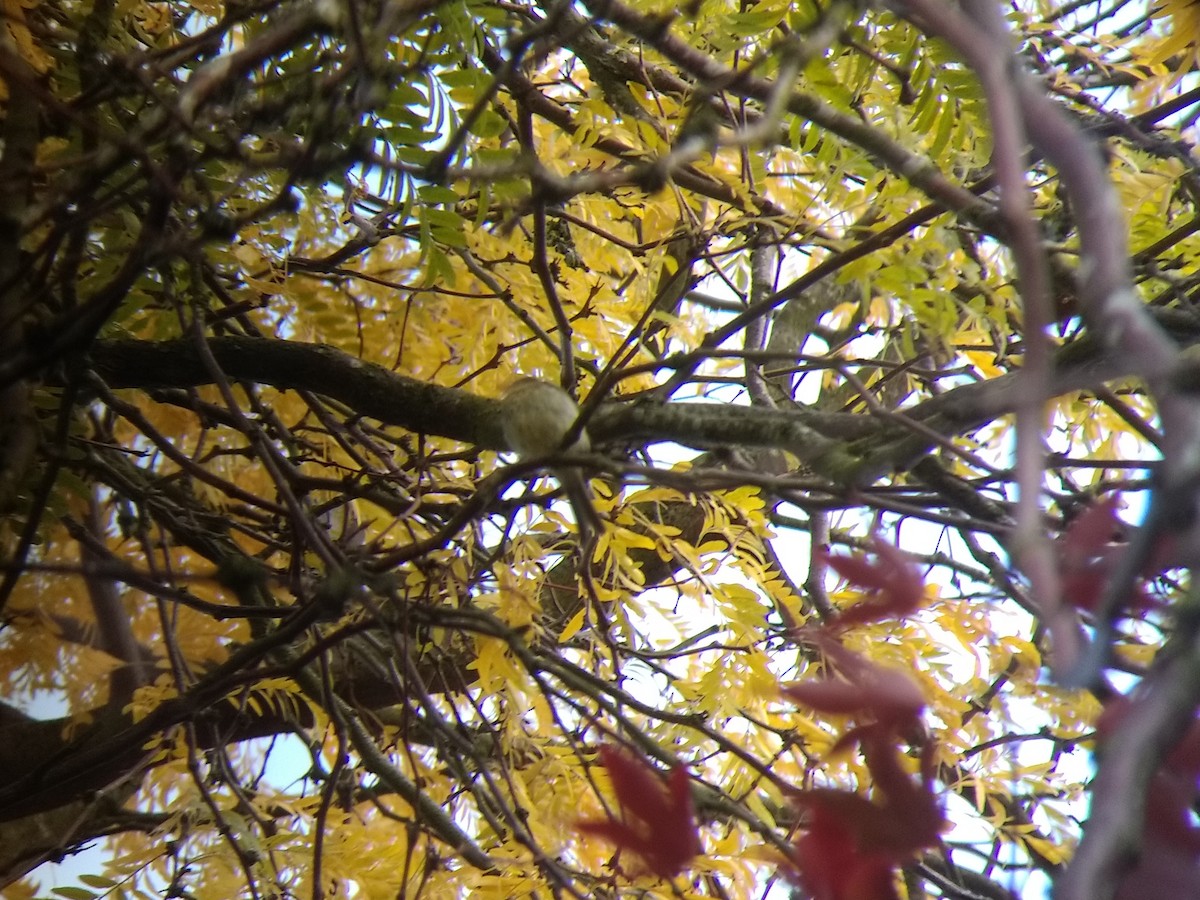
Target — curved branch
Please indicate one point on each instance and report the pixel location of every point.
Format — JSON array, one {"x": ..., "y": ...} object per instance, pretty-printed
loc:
[{"x": 818, "y": 438}]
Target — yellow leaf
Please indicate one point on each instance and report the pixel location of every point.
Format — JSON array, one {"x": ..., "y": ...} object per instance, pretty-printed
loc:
[{"x": 572, "y": 627}]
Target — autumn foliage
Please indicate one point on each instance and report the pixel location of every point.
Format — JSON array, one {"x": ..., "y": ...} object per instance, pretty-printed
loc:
[
  {"x": 869, "y": 314},
  {"x": 656, "y": 821},
  {"x": 852, "y": 845},
  {"x": 892, "y": 586}
]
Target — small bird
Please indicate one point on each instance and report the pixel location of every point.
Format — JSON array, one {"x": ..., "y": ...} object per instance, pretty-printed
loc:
[{"x": 538, "y": 416}]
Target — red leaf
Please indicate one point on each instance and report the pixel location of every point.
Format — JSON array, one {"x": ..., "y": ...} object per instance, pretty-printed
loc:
[
  {"x": 1169, "y": 817},
  {"x": 853, "y": 844},
  {"x": 896, "y": 583},
  {"x": 1160, "y": 871},
  {"x": 657, "y": 822},
  {"x": 829, "y": 695},
  {"x": 1169, "y": 861},
  {"x": 1088, "y": 553},
  {"x": 886, "y": 695},
  {"x": 829, "y": 863},
  {"x": 1095, "y": 527},
  {"x": 911, "y": 817},
  {"x": 1185, "y": 757}
]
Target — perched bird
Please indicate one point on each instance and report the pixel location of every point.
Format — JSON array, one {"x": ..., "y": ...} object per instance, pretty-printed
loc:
[{"x": 538, "y": 416}]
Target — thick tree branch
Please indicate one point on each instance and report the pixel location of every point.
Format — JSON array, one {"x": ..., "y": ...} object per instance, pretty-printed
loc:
[{"x": 818, "y": 438}]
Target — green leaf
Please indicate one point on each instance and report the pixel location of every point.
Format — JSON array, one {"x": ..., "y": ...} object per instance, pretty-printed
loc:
[
  {"x": 74, "y": 893},
  {"x": 98, "y": 881}
]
